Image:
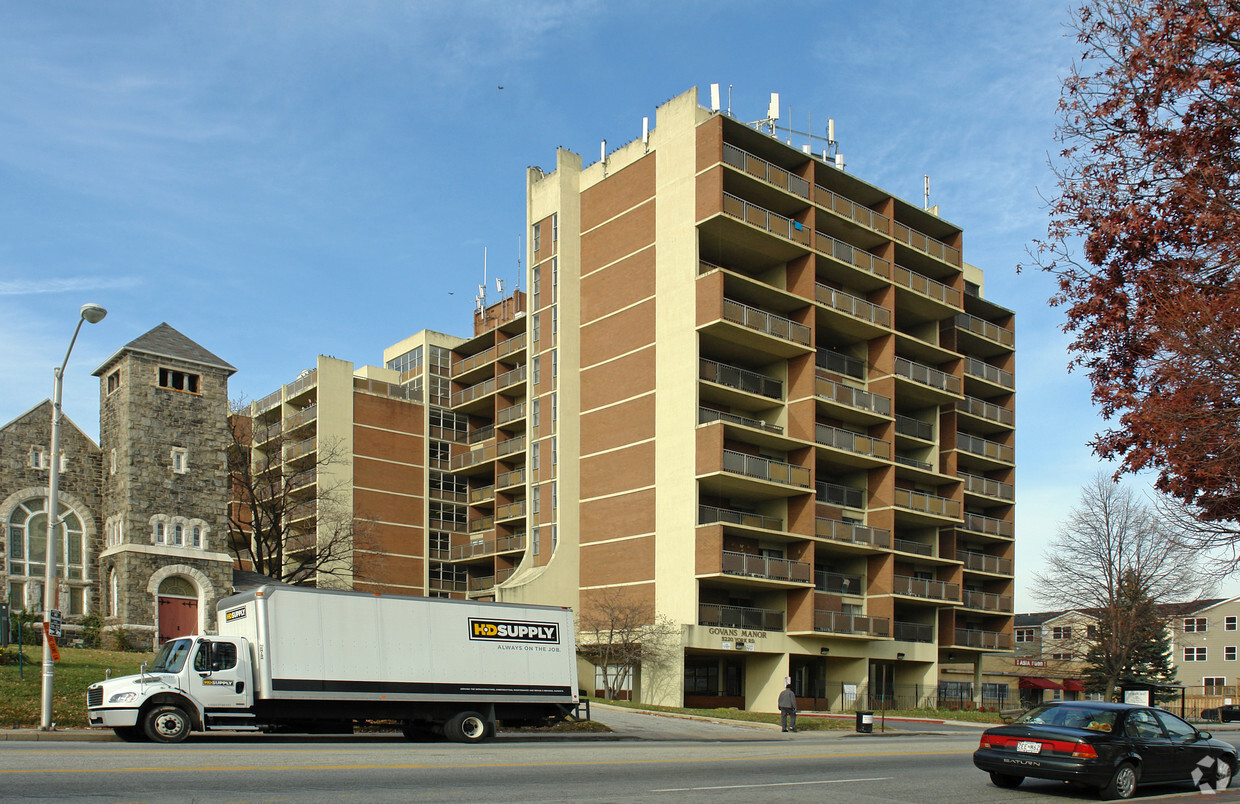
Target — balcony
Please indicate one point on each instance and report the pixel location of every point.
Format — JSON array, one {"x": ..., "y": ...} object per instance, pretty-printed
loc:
[
  {"x": 510, "y": 414},
  {"x": 838, "y": 583},
  {"x": 391, "y": 390},
  {"x": 776, "y": 224},
  {"x": 766, "y": 323},
  {"x": 485, "y": 433},
  {"x": 507, "y": 480},
  {"x": 482, "y": 549},
  {"x": 486, "y": 583},
  {"x": 914, "y": 428},
  {"x": 851, "y": 533},
  {"x": 513, "y": 510},
  {"x": 300, "y": 449},
  {"x": 853, "y": 306},
  {"x": 912, "y": 632},
  {"x": 468, "y": 364},
  {"x": 871, "y": 407},
  {"x": 750, "y": 382},
  {"x": 985, "y": 487},
  {"x": 925, "y": 588},
  {"x": 852, "y": 255},
  {"x": 926, "y": 503},
  {"x": 851, "y": 210},
  {"x": 710, "y": 515},
  {"x": 765, "y": 171},
  {"x": 481, "y": 524},
  {"x": 927, "y": 287},
  {"x": 910, "y": 546},
  {"x": 270, "y": 400},
  {"x": 856, "y": 443},
  {"x": 473, "y": 392},
  {"x": 989, "y": 525},
  {"x": 308, "y": 379},
  {"x": 992, "y": 640},
  {"x": 840, "y": 363},
  {"x": 510, "y": 378},
  {"x": 489, "y": 452},
  {"x": 984, "y": 329},
  {"x": 773, "y": 569},
  {"x": 767, "y": 469},
  {"x": 746, "y": 617},
  {"x": 991, "y": 374},
  {"x": 981, "y": 409},
  {"x": 986, "y": 601},
  {"x": 835, "y": 494},
  {"x": 708, "y": 415},
  {"x": 454, "y": 495},
  {"x": 983, "y": 448},
  {"x": 928, "y": 377},
  {"x": 834, "y": 622},
  {"x": 926, "y": 244},
  {"x": 302, "y": 417},
  {"x": 980, "y": 562}
]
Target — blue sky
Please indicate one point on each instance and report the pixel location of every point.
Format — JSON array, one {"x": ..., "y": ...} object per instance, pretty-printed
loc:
[{"x": 283, "y": 179}]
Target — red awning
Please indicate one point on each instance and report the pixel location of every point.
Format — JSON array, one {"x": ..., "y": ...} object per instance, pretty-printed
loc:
[
  {"x": 1037, "y": 683},
  {"x": 1072, "y": 685}
]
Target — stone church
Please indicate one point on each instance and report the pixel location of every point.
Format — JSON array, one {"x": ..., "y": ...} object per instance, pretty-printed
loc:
[{"x": 145, "y": 510}]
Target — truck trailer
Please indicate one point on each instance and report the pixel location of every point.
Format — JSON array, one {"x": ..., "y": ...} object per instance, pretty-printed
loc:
[{"x": 297, "y": 659}]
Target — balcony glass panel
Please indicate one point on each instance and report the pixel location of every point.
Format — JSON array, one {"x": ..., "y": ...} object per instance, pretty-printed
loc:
[
  {"x": 976, "y": 445},
  {"x": 989, "y": 331},
  {"x": 850, "y": 254},
  {"x": 994, "y": 640},
  {"x": 983, "y": 370},
  {"x": 988, "y": 601},
  {"x": 852, "y": 397},
  {"x": 847, "y": 440},
  {"x": 990, "y": 525},
  {"x": 907, "y": 425},
  {"x": 836, "y": 494},
  {"x": 975, "y": 484},
  {"x": 765, "y": 468},
  {"x": 740, "y": 379},
  {"x": 777, "y": 569},
  {"x": 839, "y": 531},
  {"x": 839, "y": 363},
  {"x": 834, "y": 622},
  {"x": 927, "y": 503},
  {"x": 708, "y": 415},
  {"x": 851, "y": 210},
  {"x": 983, "y": 563},
  {"x": 761, "y": 169},
  {"x": 912, "y": 632},
  {"x": 709, "y": 515},
  {"x": 987, "y": 410},
  {"x": 927, "y": 376},
  {"x": 772, "y": 222},
  {"x": 740, "y": 617},
  {"x": 852, "y": 305},
  {"x": 925, "y": 587},
  {"x": 925, "y": 286},
  {"x": 926, "y": 244},
  {"x": 838, "y": 583}
]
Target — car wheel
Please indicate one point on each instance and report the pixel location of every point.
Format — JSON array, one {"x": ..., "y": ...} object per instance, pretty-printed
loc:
[
  {"x": 1005, "y": 780},
  {"x": 1224, "y": 768},
  {"x": 166, "y": 724},
  {"x": 1123, "y": 783}
]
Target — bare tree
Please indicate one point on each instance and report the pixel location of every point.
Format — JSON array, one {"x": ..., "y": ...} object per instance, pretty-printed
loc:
[
  {"x": 620, "y": 635},
  {"x": 288, "y": 517},
  {"x": 1111, "y": 557}
]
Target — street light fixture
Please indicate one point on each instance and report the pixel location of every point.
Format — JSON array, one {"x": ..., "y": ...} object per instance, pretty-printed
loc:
[{"x": 93, "y": 314}]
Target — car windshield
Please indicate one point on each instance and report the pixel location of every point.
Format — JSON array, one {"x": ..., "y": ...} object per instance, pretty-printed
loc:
[
  {"x": 1095, "y": 718},
  {"x": 171, "y": 657}
]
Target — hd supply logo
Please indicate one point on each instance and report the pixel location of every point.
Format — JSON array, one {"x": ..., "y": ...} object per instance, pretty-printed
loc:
[
  {"x": 234, "y": 614},
  {"x": 514, "y": 631}
]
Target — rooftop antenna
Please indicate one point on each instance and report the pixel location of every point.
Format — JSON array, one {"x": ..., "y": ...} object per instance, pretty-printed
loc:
[
  {"x": 714, "y": 97},
  {"x": 927, "y": 179},
  {"x": 729, "y": 100},
  {"x": 518, "y": 262},
  {"x": 646, "y": 134},
  {"x": 772, "y": 111},
  {"x": 602, "y": 156}
]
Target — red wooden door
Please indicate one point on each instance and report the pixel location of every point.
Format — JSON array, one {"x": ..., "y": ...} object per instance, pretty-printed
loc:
[{"x": 178, "y": 616}]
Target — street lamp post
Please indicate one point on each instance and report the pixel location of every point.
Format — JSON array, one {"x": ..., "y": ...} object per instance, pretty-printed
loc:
[{"x": 92, "y": 313}]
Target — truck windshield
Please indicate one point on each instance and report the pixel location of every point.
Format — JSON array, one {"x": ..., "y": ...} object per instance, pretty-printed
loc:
[{"x": 171, "y": 657}]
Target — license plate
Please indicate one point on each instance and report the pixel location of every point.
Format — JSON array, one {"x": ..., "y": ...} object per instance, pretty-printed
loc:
[{"x": 1029, "y": 747}]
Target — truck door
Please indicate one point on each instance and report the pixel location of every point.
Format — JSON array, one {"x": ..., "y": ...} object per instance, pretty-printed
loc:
[{"x": 217, "y": 678}]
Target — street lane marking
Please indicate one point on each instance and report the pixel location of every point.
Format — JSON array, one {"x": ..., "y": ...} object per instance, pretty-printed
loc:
[{"x": 772, "y": 784}]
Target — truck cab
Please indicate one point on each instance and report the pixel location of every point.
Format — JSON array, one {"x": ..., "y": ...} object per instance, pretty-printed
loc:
[{"x": 195, "y": 683}]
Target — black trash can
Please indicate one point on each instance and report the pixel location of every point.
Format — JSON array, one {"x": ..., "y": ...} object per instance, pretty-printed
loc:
[{"x": 865, "y": 722}]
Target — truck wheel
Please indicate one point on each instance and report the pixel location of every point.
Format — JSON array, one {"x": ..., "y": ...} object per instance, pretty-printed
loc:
[
  {"x": 130, "y": 734},
  {"x": 466, "y": 727},
  {"x": 166, "y": 724}
]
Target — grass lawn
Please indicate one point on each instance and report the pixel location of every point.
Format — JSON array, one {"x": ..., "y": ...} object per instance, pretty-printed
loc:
[{"x": 78, "y": 668}]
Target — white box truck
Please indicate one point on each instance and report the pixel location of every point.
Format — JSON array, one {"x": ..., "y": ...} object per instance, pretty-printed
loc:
[{"x": 290, "y": 658}]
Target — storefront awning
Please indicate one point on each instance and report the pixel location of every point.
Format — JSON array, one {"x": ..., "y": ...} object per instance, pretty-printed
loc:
[
  {"x": 1038, "y": 683},
  {"x": 1072, "y": 685}
]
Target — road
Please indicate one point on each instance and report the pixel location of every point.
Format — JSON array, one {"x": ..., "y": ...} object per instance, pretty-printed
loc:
[{"x": 717, "y": 763}]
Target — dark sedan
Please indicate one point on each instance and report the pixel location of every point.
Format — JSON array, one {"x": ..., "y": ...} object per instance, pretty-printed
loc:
[
  {"x": 1108, "y": 746},
  {"x": 1225, "y": 713}
]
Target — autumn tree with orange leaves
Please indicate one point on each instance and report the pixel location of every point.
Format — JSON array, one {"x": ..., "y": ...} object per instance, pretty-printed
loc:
[{"x": 1149, "y": 185}]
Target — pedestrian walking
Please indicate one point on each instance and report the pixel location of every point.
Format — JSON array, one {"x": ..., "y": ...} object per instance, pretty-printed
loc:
[{"x": 788, "y": 709}]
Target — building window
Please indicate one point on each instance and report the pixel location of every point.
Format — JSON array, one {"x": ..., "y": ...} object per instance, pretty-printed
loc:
[
  {"x": 535, "y": 540},
  {"x": 534, "y": 456},
  {"x": 114, "y": 381},
  {"x": 112, "y": 461},
  {"x": 196, "y": 536},
  {"x": 534, "y": 326},
  {"x": 1229, "y": 623},
  {"x": 1214, "y": 684},
  {"x": 178, "y": 534},
  {"x": 1194, "y": 625},
  {"x": 1062, "y": 657},
  {"x": 408, "y": 361},
  {"x": 114, "y": 592},
  {"x": 1229, "y": 653},
  {"x": 440, "y": 360},
  {"x": 27, "y": 543},
  {"x": 180, "y": 460},
  {"x": 1194, "y": 654},
  {"x": 536, "y": 236},
  {"x": 555, "y": 227},
  {"x": 537, "y": 372},
  {"x": 1024, "y": 634},
  {"x": 537, "y": 284},
  {"x": 1091, "y": 632},
  {"x": 178, "y": 380},
  {"x": 159, "y": 533},
  {"x": 1061, "y": 632},
  {"x": 994, "y": 693},
  {"x": 77, "y": 601},
  {"x": 38, "y": 458},
  {"x": 534, "y": 411}
]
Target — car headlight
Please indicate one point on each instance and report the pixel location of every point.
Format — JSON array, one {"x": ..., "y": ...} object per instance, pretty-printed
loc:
[{"x": 123, "y": 697}]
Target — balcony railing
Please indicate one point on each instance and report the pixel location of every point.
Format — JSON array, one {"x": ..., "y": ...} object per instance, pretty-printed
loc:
[
  {"x": 772, "y": 222},
  {"x": 851, "y": 210},
  {"x": 510, "y": 413},
  {"x": 487, "y": 453},
  {"x": 506, "y": 480},
  {"x": 976, "y": 445},
  {"x": 926, "y": 244},
  {"x": 709, "y": 515},
  {"x": 708, "y": 415},
  {"x": 926, "y": 375},
  {"x": 976, "y": 484},
  {"x": 916, "y": 463},
  {"x": 988, "y": 601},
  {"x": 926, "y": 286},
  {"x": 302, "y": 448},
  {"x": 307, "y": 380},
  {"x": 836, "y": 494},
  {"x": 834, "y": 622},
  {"x": 927, "y": 503},
  {"x": 740, "y": 617},
  {"x": 454, "y": 495},
  {"x": 994, "y": 640},
  {"x": 910, "y": 546},
  {"x": 761, "y": 169},
  {"x": 482, "y": 358},
  {"x": 856, "y": 257},
  {"x": 765, "y": 468},
  {"x": 852, "y": 305},
  {"x": 740, "y": 379},
  {"x": 269, "y": 400},
  {"x": 486, "y": 582},
  {"x": 303, "y": 416},
  {"x": 989, "y": 331},
  {"x": 981, "y": 562},
  {"x": 481, "y": 523},
  {"x": 776, "y": 569},
  {"x": 983, "y": 370},
  {"x": 851, "y": 532},
  {"x": 925, "y": 588},
  {"x": 987, "y": 410},
  {"x": 768, "y": 323},
  {"x": 988, "y": 524},
  {"x": 510, "y": 511},
  {"x": 840, "y": 363},
  {"x": 847, "y": 440},
  {"x": 838, "y": 583},
  {"x": 481, "y": 434},
  {"x": 907, "y": 425},
  {"x": 473, "y": 392},
  {"x": 912, "y": 632},
  {"x": 388, "y": 389},
  {"x": 852, "y": 397},
  {"x": 489, "y": 547}
]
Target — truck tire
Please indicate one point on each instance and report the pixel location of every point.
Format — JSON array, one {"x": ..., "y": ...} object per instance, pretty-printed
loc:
[
  {"x": 166, "y": 724},
  {"x": 466, "y": 727}
]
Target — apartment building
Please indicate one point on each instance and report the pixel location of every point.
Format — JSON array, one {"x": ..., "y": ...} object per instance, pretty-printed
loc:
[{"x": 1204, "y": 643}]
